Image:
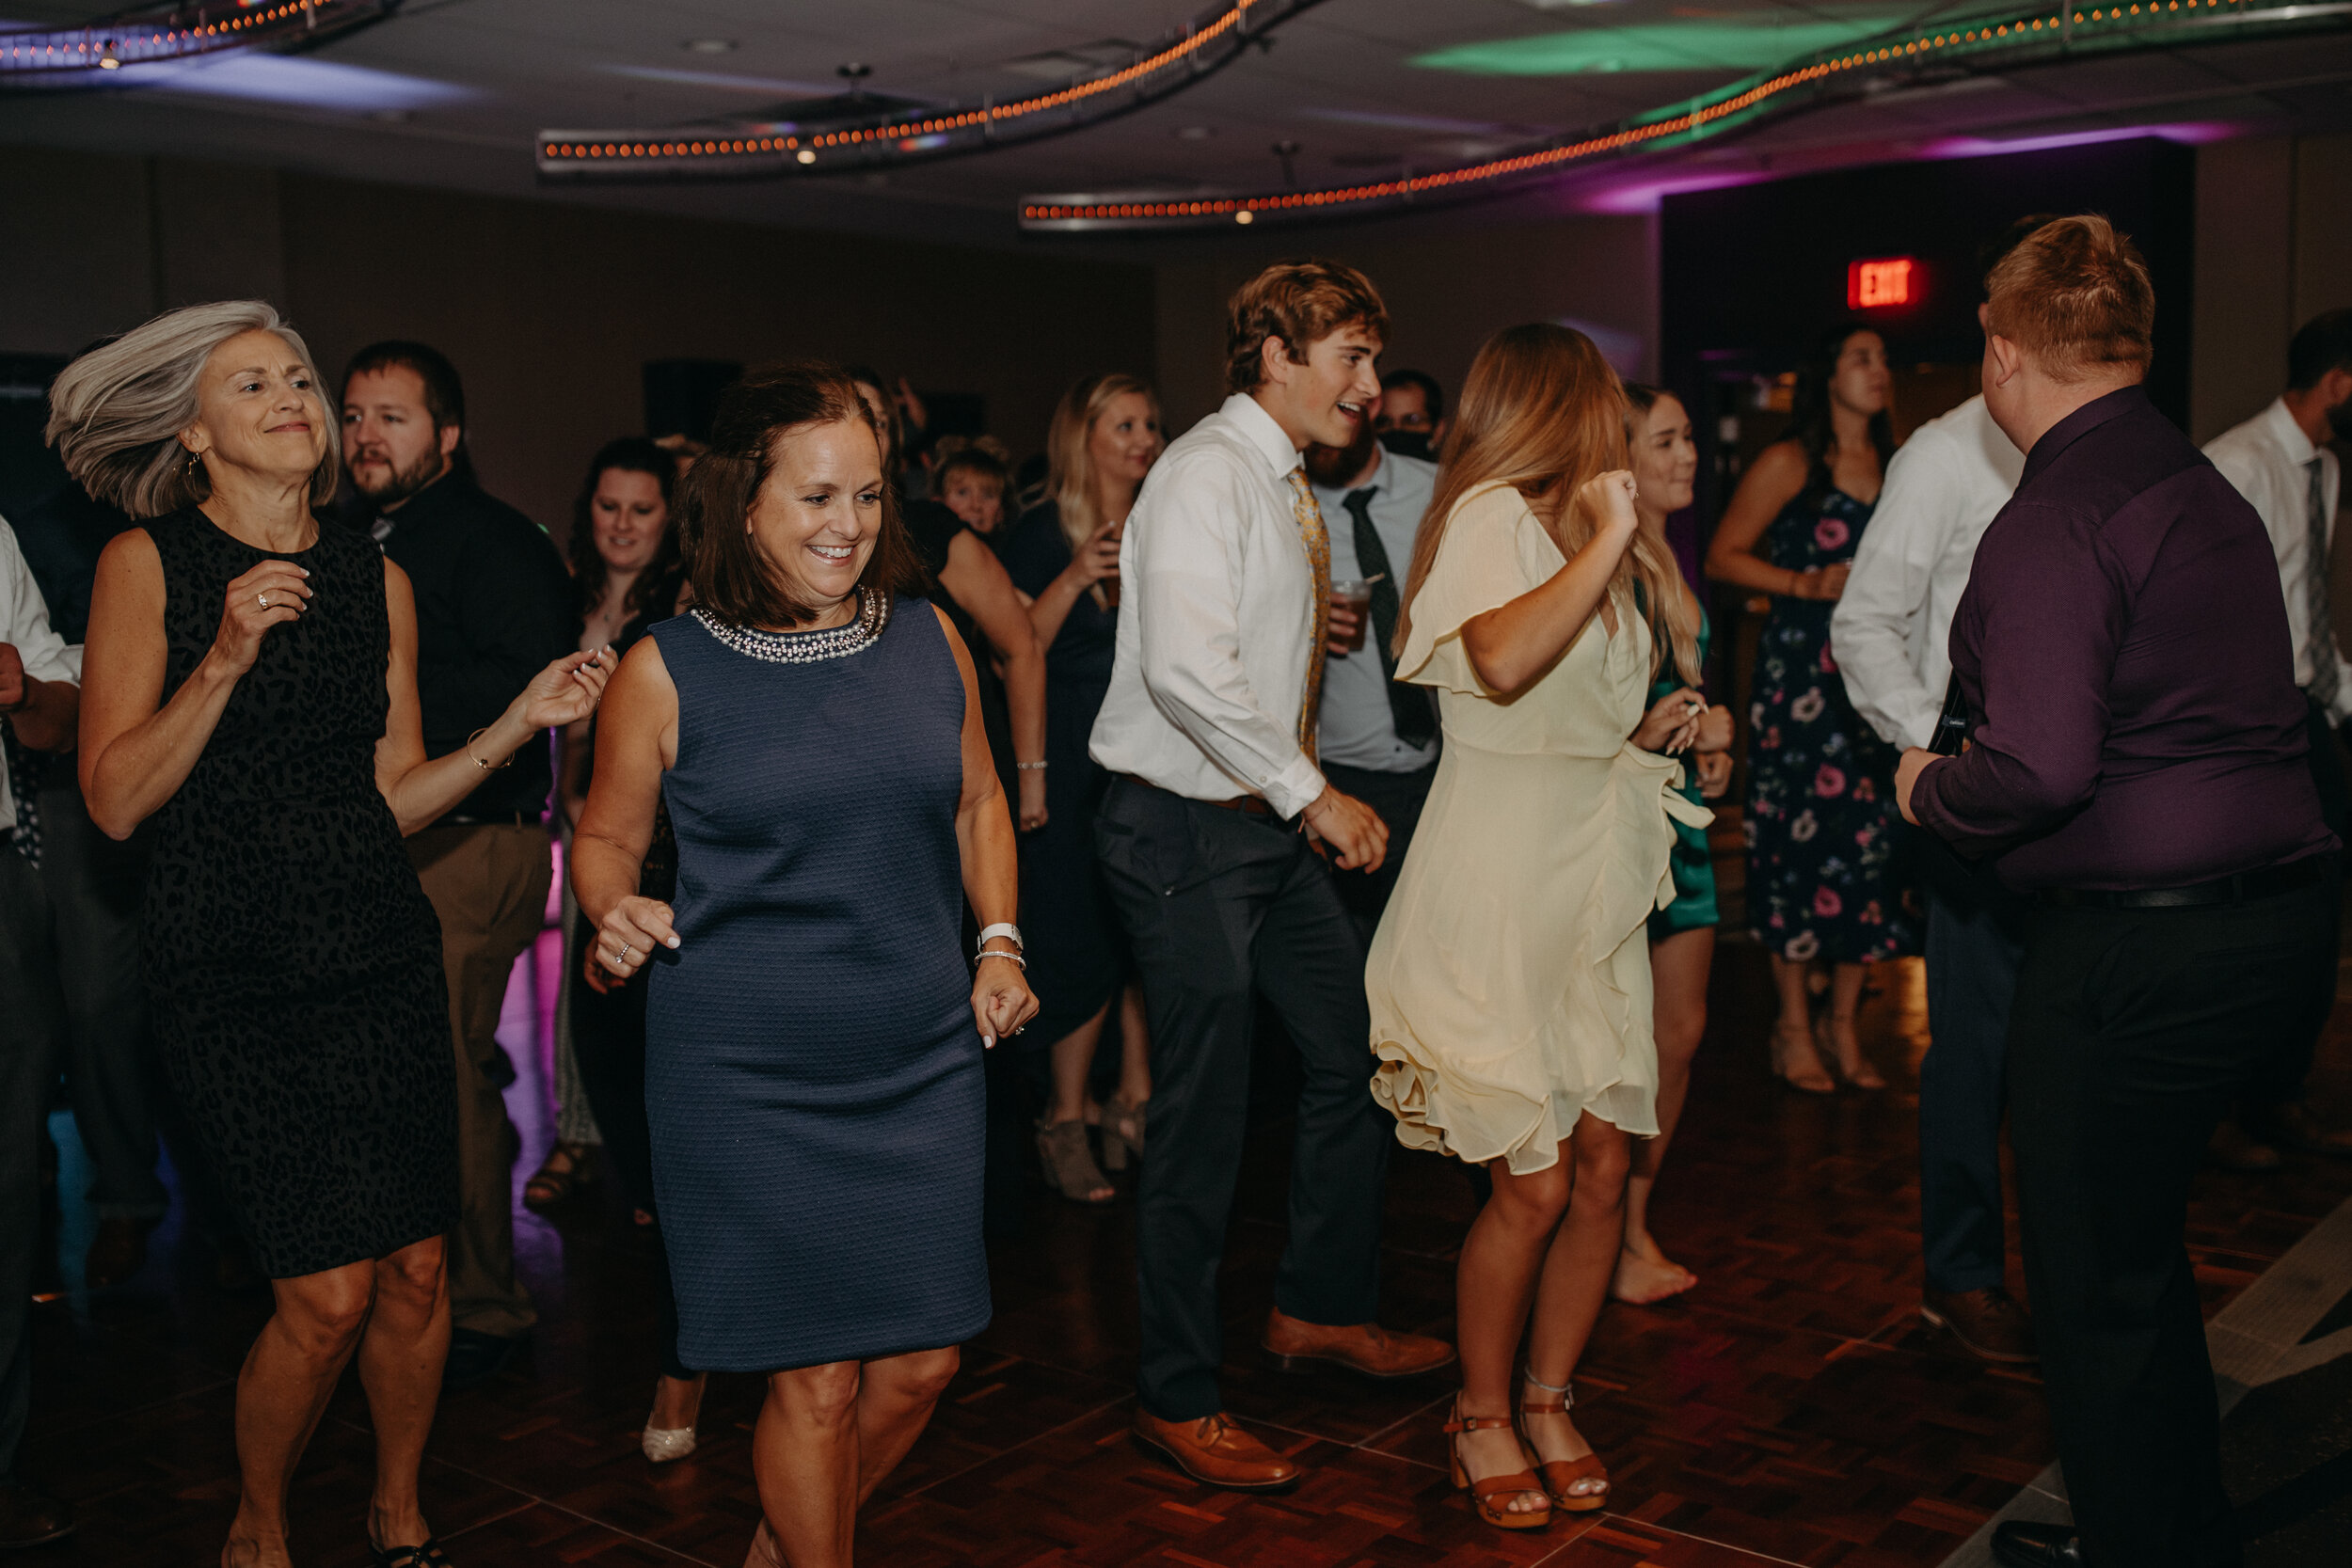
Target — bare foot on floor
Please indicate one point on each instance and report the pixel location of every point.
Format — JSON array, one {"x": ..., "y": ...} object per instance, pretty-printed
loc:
[{"x": 1640, "y": 1280}]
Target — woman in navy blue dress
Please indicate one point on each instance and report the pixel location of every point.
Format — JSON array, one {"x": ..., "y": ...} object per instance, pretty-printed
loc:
[
  {"x": 813, "y": 1067},
  {"x": 1823, "y": 887}
]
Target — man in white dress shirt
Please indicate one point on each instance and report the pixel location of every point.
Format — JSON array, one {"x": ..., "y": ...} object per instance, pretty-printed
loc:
[
  {"x": 1892, "y": 632},
  {"x": 2280, "y": 462},
  {"x": 1211, "y": 840},
  {"x": 41, "y": 698},
  {"x": 1378, "y": 737}
]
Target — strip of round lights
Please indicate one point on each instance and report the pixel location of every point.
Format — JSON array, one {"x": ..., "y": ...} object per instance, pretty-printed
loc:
[
  {"x": 1211, "y": 39},
  {"x": 73, "y": 57},
  {"x": 1810, "y": 79}
]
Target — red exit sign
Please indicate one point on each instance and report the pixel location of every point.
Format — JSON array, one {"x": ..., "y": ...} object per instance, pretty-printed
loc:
[{"x": 1875, "y": 285}]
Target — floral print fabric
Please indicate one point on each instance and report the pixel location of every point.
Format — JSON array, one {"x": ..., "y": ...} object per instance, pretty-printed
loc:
[{"x": 1820, "y": 821}]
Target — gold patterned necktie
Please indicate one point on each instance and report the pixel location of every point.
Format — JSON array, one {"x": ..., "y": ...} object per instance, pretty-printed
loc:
[{"x": 1318, "y": 542}]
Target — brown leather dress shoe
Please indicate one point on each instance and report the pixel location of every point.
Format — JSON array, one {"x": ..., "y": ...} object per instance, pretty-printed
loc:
[
  {"x": 115, "y": 1253},
  {"x": 1365, "y": 1348},
  {"x": 1215, "y": 1450},
  {"x": 1989, "y": 1324}
]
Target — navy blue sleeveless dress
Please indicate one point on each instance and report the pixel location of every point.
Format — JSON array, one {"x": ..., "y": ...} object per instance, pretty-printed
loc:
[{"x": 813, "y": 1072}]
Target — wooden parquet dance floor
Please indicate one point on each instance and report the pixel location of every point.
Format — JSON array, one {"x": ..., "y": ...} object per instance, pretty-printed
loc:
[{"x": 1789, "y": 1409}]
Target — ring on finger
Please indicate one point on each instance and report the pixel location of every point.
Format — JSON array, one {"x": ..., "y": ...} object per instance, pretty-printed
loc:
[
  {"x": 626, "y": 950},
  {"x": 263, "y": 598}
]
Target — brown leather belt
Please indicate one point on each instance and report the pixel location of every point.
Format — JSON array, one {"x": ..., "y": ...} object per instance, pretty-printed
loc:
[{"x": 1252, "y": 804}]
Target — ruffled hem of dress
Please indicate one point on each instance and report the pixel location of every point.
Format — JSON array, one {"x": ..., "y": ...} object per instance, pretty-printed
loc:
[{"x": 1427, "y": 1117}]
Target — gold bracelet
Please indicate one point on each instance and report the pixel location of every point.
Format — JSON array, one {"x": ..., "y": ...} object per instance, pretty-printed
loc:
[{"x": 485, "y": 766}]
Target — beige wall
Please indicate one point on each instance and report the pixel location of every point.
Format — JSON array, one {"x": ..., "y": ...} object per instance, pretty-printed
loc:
[
  {"x": 1447, "y": 291},
  {"x": 550, "y": 310},
  {"x": 2273, "y": 248}
]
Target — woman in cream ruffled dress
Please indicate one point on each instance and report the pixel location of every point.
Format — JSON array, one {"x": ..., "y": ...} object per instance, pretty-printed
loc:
[{"x": 1510, "y": 980}]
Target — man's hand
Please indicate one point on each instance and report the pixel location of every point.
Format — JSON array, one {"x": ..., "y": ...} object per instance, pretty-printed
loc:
[
  {"x": 15, "y": 690},
  {"x": 1915, "y": 762},
  {"x": 1350, "y": 827},
  {"x": 1714, "y": 770},
  {"x": 1346, "y": 626}
]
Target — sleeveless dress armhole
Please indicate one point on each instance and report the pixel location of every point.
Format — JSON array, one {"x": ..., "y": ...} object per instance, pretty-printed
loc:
[{"x": 1485, "y": 562}]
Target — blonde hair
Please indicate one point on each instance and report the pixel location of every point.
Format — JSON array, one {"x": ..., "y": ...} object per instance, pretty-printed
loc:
[
  {"x": 1541, "y": 412},
  {"x": 2077, "y": 294},
  {"x": 116, "y": 412},
  {"x": 1678, "y": 616},
  {"x": 1069, "y": 478}
]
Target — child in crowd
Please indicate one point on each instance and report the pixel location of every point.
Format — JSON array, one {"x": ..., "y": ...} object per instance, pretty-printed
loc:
[{"x": 974, "y": 480}]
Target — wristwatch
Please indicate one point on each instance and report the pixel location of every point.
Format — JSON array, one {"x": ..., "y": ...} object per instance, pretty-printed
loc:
[{"x": 1002, "y": 928}]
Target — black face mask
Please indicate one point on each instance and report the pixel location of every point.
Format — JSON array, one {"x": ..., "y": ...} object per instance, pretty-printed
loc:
[{"x": 1408, "y": 443}]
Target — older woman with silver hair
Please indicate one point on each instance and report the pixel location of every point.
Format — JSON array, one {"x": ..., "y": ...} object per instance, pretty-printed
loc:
[{"x": 250, "y": 682}]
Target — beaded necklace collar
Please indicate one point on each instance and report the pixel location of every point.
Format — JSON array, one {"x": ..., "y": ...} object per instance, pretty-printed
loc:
[{"x": 804, "y": 647}]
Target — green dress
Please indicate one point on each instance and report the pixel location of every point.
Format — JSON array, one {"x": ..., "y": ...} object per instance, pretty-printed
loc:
[{"x": 1693, "y": 866}]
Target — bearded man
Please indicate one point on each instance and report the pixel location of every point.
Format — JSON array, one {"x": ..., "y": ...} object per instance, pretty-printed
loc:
[{"x": 494, "y": 605}]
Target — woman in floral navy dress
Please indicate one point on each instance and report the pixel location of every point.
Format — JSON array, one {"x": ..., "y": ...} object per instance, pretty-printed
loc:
[{"x": 1822, "y": 884}]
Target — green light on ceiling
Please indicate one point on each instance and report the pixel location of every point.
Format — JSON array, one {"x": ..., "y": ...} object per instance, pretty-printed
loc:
[{"x": 1695, "y": 44}]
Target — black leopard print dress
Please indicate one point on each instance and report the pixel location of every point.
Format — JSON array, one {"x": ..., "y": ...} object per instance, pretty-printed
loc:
[{"x": 292, "y": 961}]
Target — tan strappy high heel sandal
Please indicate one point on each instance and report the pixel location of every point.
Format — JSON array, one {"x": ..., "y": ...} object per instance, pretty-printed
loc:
[
  {"x": 1486, "y": 1492},
  {"x": 1561, "y": 1474}
]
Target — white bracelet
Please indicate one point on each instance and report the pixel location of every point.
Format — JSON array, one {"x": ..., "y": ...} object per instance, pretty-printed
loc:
[
  {"x": 1029, "y": 766},
  {"x": 996, "y": 953}
]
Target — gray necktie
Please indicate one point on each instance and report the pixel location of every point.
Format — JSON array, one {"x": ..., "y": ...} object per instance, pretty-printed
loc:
[{"x": 2319, "y": 638}]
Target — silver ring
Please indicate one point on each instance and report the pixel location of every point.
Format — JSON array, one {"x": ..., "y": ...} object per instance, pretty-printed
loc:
[
  {"x": 265, "y": 598},
  {"x": 626, "y": 950}
]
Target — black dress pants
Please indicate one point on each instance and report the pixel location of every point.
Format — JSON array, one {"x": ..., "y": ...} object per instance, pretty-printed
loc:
[
  {"x": 30, "y": 1041},
  {"x": 2131, "y": 1032},
  {"x": 1973, "y": 953},
  {"x": 609, "y": 1045},
  {"x": 1398, "y": 797},
  {"x": 1222, "y": 907}
]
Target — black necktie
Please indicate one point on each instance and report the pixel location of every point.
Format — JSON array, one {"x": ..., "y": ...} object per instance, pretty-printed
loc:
[
  {"x": 25, "y": 772},
  {"x": 1415, "y": 723}
]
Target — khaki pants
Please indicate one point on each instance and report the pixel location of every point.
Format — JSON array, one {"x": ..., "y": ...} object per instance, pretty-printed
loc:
[{"x": 489, "y": 886}]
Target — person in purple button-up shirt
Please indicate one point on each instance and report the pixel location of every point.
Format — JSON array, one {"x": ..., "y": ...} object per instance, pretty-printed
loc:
[{"x": 2137, "y": 764}]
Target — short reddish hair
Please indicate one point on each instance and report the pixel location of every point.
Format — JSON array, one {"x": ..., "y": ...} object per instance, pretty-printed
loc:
[
  {"x": 2075, "y": 293},
  {"x": 1300, "y": 302}
]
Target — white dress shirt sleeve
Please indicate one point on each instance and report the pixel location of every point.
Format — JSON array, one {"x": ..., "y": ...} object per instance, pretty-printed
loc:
[
  {"x": 1187, "y": 569},
  {"x": 24, "y": 619},
  {"x": 1872, "y": 629}
]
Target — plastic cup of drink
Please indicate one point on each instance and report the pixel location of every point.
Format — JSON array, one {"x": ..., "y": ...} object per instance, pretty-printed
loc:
[{"x": 1354, "y": 595}]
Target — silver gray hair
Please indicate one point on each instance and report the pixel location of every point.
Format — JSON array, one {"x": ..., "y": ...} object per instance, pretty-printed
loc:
[{"x": 115, "y": 414}]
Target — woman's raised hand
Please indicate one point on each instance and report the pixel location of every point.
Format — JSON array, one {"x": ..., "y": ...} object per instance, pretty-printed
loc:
[
  {"x": 1671, "y": 723},
  {"x": 629, "y": 932},
  {"x": 566, "y": 690},
  {"x": 270, "y": 594},
  {"x": 1608, "y": 500},
  {"x": 1002, "y": 1003},
  {"x": 1098, "y": 557}
]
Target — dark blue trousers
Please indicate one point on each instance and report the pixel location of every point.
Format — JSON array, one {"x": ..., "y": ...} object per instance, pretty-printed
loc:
[{"x": 1973, "y": 955}]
